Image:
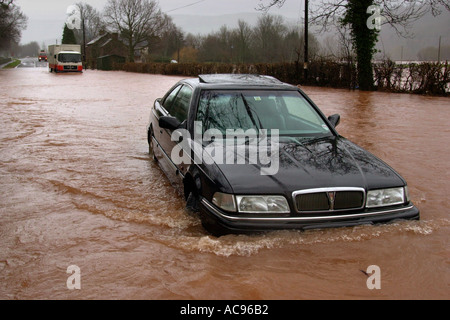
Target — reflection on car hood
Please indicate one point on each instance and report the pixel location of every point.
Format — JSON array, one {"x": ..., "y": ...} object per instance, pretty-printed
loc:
[{"x": 323, "y": 163}]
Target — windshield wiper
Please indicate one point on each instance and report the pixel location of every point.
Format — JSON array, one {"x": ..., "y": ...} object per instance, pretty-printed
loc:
[
  {"x": 314, "y": 139},
  {"x": 250, "y": 113},
  {"x": 305, "y": 138}
]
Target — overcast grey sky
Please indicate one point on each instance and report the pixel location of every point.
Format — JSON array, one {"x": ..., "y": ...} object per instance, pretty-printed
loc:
[
  {"x": 46, "y": 17},
  {"x": 53, "y": 9}
]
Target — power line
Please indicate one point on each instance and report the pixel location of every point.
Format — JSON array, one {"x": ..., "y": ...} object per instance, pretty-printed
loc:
[{"x": 185, "y": 6}]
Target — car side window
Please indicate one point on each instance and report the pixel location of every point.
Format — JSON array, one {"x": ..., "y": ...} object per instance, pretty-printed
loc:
[
  {"x": 168, "y": 102},
  {"x": 180, "y": 106}
]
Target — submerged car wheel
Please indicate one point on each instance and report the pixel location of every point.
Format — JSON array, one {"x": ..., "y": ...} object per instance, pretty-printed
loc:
[
  {"x": 212, "y": 226},
  {"x": 191, "y": 193},
  {"x": 192, "y": 202}
]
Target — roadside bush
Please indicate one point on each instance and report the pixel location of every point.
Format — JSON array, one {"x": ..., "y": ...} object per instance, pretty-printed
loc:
[
  {"x": 4, "y": 60},
  {"x": 424, "y": 78}
]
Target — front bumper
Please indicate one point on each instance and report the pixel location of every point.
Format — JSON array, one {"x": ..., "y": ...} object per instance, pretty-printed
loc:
[{"x": 243, "y": 224}]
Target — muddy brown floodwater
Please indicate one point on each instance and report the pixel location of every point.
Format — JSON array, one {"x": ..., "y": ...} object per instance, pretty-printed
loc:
[{"x": 78, "y": 188}]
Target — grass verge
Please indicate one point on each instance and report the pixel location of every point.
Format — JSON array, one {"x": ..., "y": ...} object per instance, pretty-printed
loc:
[{"x": 13, "y": 64}]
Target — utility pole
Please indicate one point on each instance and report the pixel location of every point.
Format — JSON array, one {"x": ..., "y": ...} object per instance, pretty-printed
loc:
[
  {"x": 84, "y": 43},
  {"x": 305, "y": 65}
]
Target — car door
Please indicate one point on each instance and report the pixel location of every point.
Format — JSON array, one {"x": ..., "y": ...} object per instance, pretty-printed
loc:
[
  {"x": 176, "y": 105},
  {"x": 162, "y": 108}
]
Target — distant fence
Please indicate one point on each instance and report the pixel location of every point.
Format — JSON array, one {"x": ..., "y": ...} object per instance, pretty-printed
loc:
[{"x": 424, "y": 78}]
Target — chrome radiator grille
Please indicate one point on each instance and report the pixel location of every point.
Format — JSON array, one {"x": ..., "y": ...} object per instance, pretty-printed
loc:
[{"x": 325, "y": 200}]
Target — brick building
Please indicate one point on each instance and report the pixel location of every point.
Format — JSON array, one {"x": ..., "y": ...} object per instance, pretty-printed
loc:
[{"x": 105, "y": 45}]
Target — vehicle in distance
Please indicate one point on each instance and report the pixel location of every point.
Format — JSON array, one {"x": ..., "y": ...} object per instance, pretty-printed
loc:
[
  {"x": 42, "y": 56},
  {"x": 250, "y": 153},
  {"x": 65, "y": 58}
]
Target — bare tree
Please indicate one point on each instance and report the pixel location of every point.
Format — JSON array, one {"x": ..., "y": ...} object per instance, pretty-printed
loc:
[
  {"x": 338, "y": 45},
  {"x": 271, "y": 40},
  {"x": 12, "y": 22},
  {"x": 243, "y": 41},
  {"x": 169, "y": 43},
  {"x": 138, "y": 21},
  {"x": 399, "y": 14},
  {"x": 292, "y": 49},
  {"x": 91, "y": 23},
  {"x": 354, "y": 13},
  {"x": 345, "y": 44},
  {"x": 269, "y": 34},
  {"x": 217, "y": 46}
]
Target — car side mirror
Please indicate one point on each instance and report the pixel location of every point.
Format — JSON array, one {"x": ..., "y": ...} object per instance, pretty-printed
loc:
[
  {"x": 335, "y": 119},
  {"x": 157, "y": 104},
  {"x": 170, "y": 123}
]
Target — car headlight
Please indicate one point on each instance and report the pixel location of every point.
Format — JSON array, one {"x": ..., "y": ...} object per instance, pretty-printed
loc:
[
  {"x": 251, "y": 204},
  {"x": 262, "y": 204},
  {"x": 224, "y": 201},
  {"x": 385, "y": 197}
]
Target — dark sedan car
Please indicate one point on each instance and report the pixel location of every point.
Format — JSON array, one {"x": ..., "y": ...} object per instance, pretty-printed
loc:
[{"x": 251, "y": 153}]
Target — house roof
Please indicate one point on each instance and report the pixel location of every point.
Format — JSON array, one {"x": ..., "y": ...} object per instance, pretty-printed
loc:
[
  {"x": 108, "y": 36},
  {"x": 93, "y": 41},
  {"x": 106, "y": 42}
]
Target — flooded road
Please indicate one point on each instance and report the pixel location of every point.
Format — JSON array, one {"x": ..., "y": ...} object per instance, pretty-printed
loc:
[{"x": 78, "y": 188}]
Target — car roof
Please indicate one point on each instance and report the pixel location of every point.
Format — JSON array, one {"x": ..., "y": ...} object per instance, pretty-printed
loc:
[{"x": 238, "y": 81}]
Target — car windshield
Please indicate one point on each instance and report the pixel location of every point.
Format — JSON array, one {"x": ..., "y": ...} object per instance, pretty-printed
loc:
[
  {"x": 69, "y": 57},
  {"x": 287, "y": 111}
]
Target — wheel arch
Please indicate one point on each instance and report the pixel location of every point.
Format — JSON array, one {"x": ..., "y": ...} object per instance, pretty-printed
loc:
[{"x": 192, "y": 182}]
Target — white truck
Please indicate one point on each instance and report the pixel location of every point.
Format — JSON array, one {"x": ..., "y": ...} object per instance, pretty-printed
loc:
[{"x": 65, "y": 58}]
